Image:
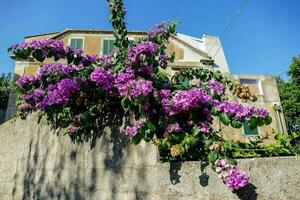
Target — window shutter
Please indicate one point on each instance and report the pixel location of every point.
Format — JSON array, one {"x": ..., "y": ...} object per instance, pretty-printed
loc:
[
  {"x": 105, "y": 47},
  {"x": 108, "y": 46},
  {"x": 249, "y": 132},
  {"x": 76, "y": 43},
  {"x": 79, "y": 43}
]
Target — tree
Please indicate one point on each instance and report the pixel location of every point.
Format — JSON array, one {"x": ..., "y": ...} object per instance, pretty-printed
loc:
[
  {"x": 5, "y": 86},
  {"x": 290, "y": 96}
]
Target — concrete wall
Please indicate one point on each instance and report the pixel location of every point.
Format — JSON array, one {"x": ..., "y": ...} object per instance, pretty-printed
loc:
[{"x": 38, "y": 164}]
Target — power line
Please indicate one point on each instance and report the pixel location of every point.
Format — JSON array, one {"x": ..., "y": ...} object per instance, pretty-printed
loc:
[
  {"x": 228, "y": 28},
  {"x": 189, "y": 12}
]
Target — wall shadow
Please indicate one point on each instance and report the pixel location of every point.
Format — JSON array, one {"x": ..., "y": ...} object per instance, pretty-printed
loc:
[
  {"x": 247, "y": 193},
  {"x": 76, "y": 171}
]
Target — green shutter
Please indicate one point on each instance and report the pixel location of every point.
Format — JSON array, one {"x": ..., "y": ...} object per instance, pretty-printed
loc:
[
  {"x": 249, "y": 132},
  {"x": 73, "y": 44},
  {"x": 79, "y": 43},
  {"x": 76, "y": 43},
  {"x": 108, "y": 46}
]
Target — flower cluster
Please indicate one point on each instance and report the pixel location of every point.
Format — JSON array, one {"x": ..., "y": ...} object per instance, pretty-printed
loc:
[
  {"x": 241, "y": 112},
  {"x": 49, "y": 69},
  {"x": 131, "y": 131},
  {"x": 183, "y": 101},
  {"x": 25, "y": 81},
  {"x": 174, "y": 128},
  {"x": 139, "y": 53},
  {"x": 135, "y": 88},
  {"x": 60, "y": 94},
  {"x": 103, "y": 77},
  {"x": 162, "y": 29},
  {"x": 216, "y": 86},
  {"x": 41, "y": 44},
  {"x": 232, "y": 176},
  {"x": 46, "y": 48}
]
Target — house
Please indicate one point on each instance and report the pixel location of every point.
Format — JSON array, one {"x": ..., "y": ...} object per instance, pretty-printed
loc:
[{"x": 191, "y": 52}]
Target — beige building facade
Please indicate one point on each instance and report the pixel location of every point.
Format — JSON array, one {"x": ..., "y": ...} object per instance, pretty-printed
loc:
[{"x": 190, "y": 52}]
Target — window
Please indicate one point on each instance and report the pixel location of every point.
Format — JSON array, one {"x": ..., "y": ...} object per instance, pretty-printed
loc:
[
  {"x": 249, "y": 132},
  {"x": 108, "y": 45},
  {"x": 76, "y": 43},
  {"x": 254, "y": 85}
]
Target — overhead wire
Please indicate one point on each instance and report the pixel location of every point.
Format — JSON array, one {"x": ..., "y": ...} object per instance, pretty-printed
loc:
[
  {"x": 191, "y": 11},
  {"x": 228, "y": 28}
]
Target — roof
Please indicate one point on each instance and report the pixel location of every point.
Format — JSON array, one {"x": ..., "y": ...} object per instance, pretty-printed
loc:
[{"x": 195, "y": 44}]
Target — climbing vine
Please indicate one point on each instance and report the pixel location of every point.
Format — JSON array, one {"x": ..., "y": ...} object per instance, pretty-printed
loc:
[{"x": 174, "y": 113}]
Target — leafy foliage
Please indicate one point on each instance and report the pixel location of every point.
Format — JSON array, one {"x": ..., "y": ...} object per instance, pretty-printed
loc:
[
  {"x": 290, "y": 96},
  {"x": 5, "y": 87}
]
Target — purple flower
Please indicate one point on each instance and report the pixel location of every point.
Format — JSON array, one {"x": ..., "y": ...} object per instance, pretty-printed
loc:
[
  {"x": 163, "y": 61},
  {"x": 106, "y": 59},
  {"x": 24, "y": 81},
  {"x": 216, "y": 86},
  {"x": 131, "y": 131},
  {"x": 140, "y": 52},
  {"x": 232, "y": 176},
  {"x": 135, "y": 88},
  {"x": 147, "y": 69},
  {"x": 205, "y": 127},
  {"x": 241, "y": 112},
  {"x": 124, "y": 77},
  {"x": 262, "y": 112},
  {"x": 186, "y": 100},
  {"x": 73, "y": 130},
  {"x": 174, "y": 128},
  {"x": 102, "y": 77},
  {"x": 25, "y": 107},
  {"x": 236, "y": 178},
  {"x": 49, "y": 69},
  {"x": 60, "y": 93}
]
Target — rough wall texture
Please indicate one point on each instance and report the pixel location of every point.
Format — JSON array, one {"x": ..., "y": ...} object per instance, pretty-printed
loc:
[{"x": 38, "y": 164}]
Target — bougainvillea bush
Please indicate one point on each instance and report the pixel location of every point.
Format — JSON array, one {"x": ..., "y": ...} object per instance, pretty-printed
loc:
[{"x": 174, "y": 113}]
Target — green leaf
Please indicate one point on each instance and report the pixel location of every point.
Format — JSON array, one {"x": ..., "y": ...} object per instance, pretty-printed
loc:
[
  {"x": 38, "y": 55},
  {"x": 148, "y": 135},
  {"x": 196, "y": 130},
  {"x": 224, "y": 119},
  {"x": 177, "y": 137},
  {"x": 126, "y": 103},
  {"x": 236, "y": 124},
  {"x": 268, "y": 120},
  {"x": 70, "y": 58},
  {"x": 165, "y": 144},
  {"x": 231, "y": 161},
  {"x": 252, "y": 123},
  {"x": 212, "y": 156},
  {"x": 136, "y": 139},
  {"x": 214, "y": 111}
]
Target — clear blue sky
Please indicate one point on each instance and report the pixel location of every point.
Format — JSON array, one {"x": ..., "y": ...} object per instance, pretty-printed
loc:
[{"x": 262, "y": 40}]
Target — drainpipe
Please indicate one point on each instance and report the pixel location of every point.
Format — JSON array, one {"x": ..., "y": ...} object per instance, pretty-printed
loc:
[{"x": 278, "y": 110}]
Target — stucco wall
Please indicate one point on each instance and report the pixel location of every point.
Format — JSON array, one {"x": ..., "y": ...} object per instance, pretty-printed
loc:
[{"x": 38, "y": 164}]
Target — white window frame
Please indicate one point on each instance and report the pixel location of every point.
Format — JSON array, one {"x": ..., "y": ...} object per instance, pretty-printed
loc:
[
  {"x": 109, "y": 38},
  {"x": 102, "y": 44},
  {"x": 258, "y": 82},
  {"x": 76, "y": 37}
]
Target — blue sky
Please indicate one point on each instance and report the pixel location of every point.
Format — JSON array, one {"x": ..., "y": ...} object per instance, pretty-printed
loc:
[{"x": 262, "y": 40}]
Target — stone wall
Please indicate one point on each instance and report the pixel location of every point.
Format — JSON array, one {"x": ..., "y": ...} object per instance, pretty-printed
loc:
[{"x": 38, "y": 164}]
